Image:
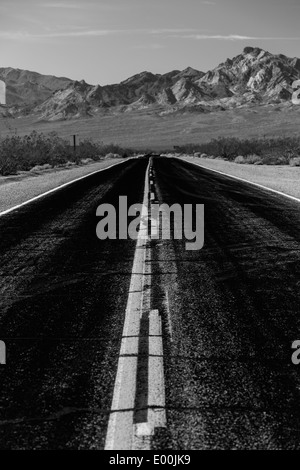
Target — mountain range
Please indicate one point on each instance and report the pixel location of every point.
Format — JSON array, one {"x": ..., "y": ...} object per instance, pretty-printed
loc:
[{"x": 254, "y": 77}]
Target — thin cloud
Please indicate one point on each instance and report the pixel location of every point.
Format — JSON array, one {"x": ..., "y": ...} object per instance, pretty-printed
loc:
[
  {"x": 17, "y": 35},
  {"x": 23, "y": 35},
  {"x": 72, "y": 6},
  {"x": 235, "y": 37},
  {"x": 171, "y": 30},
  {"x": 172, "y": 33}
]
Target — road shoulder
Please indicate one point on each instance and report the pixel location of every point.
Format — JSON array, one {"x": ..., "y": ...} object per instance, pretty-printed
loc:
[{"x": 17, "y": 189}]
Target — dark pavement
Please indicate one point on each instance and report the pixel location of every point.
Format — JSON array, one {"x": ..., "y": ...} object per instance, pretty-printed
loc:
[
  {"x": 63, "y": 298},
  {"x": 230, "y": 314}
]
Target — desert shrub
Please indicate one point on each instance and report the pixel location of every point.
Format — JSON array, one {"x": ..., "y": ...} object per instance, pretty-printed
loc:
[
  {"x": 239, "y": 159},
  {"x": 84, "y": 161},
  {"x": 21, "y": 153},
  {"x": 271, "y": 151},
  {"x": 46, "y": 166},
  {"x": 253, "y": 159},
  {"x": 112, "y": 155},
  {"x": 295, "y": 161},
  {"x": 87, "y": 149},
  {"x": 274, "y": 159}
]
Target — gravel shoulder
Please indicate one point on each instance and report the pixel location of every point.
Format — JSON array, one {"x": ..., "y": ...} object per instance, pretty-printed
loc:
[
  {"x": 16, "y": 189},
  {"x": 282, "y": 178}
]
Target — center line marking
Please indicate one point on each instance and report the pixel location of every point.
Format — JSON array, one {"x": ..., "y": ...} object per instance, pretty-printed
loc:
[{"x": 122, "y": 432}]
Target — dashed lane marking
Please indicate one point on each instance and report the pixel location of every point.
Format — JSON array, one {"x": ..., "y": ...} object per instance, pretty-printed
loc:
[{"x": 130, "y": 428}]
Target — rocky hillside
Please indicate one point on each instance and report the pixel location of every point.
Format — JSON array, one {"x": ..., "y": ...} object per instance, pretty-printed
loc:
[
  {"x": 253, "y": 77},
  {"x": 27, "y": 89}
]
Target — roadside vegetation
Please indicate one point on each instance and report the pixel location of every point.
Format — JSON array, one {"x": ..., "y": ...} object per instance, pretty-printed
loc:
[
  {"x": 271, "y": 151},
  {"x": 42, "y": 151},
  {"x": 45, "y": 151}
]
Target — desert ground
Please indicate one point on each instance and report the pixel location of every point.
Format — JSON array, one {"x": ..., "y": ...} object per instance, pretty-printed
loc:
[{"x": 145, "y": 129}]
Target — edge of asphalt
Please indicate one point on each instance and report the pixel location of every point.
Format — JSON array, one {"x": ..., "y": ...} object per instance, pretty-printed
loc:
[
  {"x": 57, "y": 188},
  {"x": 275, "y": 191}
]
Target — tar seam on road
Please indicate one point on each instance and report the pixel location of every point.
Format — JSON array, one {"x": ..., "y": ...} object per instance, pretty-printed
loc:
[
  {"x": 293, "y": 198},
  {"x": 53, "y": 190},
  {"x": 125, "y": 431}
]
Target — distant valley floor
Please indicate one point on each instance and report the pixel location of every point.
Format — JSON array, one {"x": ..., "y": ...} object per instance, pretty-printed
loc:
[{"x": 154, "y": 130}]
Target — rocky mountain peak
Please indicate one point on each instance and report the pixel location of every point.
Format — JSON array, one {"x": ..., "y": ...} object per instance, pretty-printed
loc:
[
  {"x": 253, "y": 77},
  {"x": 252, "y": 50}
]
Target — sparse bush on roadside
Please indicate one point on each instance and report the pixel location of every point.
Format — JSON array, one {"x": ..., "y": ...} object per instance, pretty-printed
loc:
[
  {"x": 275, "y": 158},
  {"x": 295, "y": 161},
  {"x": 112, "y": 155},
  {"x": 249, "y": 159},
  {"x": 253, "y": 159},
  {"x": 88, "y": 149},
  {"x": 46, "y": 166},
  {"x": 272, "y": 151},
  {"x": 85, "y": 161},
  {"x": 38, "y": 150}
]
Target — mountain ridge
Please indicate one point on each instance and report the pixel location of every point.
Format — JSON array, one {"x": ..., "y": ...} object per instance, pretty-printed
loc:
[{"x": 254, "y": 77}]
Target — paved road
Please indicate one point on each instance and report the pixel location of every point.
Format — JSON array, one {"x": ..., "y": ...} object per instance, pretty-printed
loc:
[
  {"x": 63, "y": 297},
  {"x": 230, "y": 313}
]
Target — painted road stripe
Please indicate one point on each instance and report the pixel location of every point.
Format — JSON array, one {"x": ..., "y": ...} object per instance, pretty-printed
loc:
[
  {"x": 154, "y": 227},
  {"x": 156, "y": 412},
  {"x": 133, "y": 418},
  {"x": 156, "y": 391},
  {"x": 141, "y": 428},
  {"x": 40, "y": 196},
  {"x": 293, "y": 198},
  {"x": 120, "y": 426}
]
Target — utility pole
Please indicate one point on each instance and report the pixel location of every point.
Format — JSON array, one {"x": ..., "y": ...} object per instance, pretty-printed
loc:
[{"x": 74, "y": 143}]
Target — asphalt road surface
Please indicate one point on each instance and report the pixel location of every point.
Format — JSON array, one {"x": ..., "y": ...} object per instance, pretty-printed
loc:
[
  {"x": 230, "y": 313},
  {"x": 63, "y": 297}
]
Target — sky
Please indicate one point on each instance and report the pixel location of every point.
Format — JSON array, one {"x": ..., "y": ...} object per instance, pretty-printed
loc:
[{"x": 107, "y": 41}]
